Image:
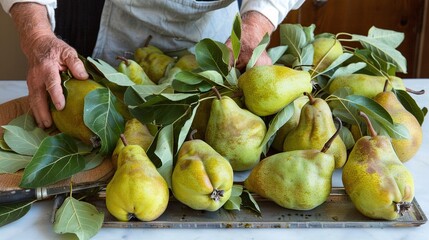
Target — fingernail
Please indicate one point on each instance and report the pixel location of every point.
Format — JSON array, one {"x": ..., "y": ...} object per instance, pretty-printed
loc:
[
  {"x": 58, "y": 106},
  {"x": 46, "y": 124}
]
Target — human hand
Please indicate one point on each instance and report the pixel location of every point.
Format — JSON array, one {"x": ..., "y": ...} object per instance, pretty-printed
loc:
[
  {"x": 253, "y": 28},
  {"x": 47, "y": 56}
]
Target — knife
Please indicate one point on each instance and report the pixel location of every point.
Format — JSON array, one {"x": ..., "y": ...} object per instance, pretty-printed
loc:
[{"x": 40, "y": 193}]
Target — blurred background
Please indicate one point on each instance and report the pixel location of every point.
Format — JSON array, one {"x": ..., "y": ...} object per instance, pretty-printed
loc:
[{"x": 333, "y": 16}]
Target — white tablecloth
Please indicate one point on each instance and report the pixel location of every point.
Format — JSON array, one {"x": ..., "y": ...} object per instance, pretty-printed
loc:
[{"x": 36, "y": 224}]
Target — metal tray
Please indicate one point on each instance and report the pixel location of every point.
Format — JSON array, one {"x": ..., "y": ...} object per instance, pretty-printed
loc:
[{"x": 337, "y": 212}]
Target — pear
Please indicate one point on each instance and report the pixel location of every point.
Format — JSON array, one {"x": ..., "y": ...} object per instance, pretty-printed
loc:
[
  {"x": 268, "y": 89},
  {"x": 154, "y": 62},
  {"x": 378, "y": 184},
  {"x": 326, "y": 51},
  {"x": 284, "y": 130},
  {"x": 365, "y": 85},
  {"x": 404, "y": 148},
  {"x": 134, "y": 71},
  {"x": 136, "y": 189},
  {"x": 315, "y": 127},
  {"x": 187, "y": 62},
  {"x": 299, "y": 179},
  {"x": 136, "y": 133},
  {"x": 70, "y": 119},
  {"x": 202, "y": 178},
  {"x": 235, "y": 133}
]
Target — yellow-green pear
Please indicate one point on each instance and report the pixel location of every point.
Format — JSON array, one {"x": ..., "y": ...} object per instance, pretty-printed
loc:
[
  {"x": 70, "y": 119},
  {"x": 136, "y": 133},
  {"x": 326, "y": 51},
  {"x": 136, "y": 189},
  {"x": 378, "y": 184},
  {"x": 299, "y": 179},
  {"x": 268, "y": 89},
  {"x": 315, "y": 127},
  {"x": 153, "y": 61},
  {"x": 202, "y": 179},
  {"x": 408, "y": 147},
  {"x": 134, "y": 71},
  {"x": 235, "y": 133},
  {"x": 365, "y": 85}
]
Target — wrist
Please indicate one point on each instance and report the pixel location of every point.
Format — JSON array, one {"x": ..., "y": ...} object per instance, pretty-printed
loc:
[{"x": 258, "y": 22}]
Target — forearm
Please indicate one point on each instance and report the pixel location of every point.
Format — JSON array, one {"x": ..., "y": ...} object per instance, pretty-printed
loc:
[
  {"x": 274, "y": 10},
  {"x": 258, "y": 23},
  {"x": 32, "y": 23}
]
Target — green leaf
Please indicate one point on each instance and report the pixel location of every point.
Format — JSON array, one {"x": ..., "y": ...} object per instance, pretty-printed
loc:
[
  {"x": 12, "y": 212},
  {"x": 276, "y": 123},
  {"x": 258, "y": 51},
  {"x": 25, "y": 121},
  {"x": 12, "y": 162},
  {"x": 23, "y": 141},
  {"x": 337, "y": 62},
  {"x": 347, "y": 138},
  {"x": 164, "y": 109},
  {"x": 162, "y": 153},
  {"x": 212, "y": 55},
  {"x": 101, "y": 116},
  {"x": 78, "y": 217},
  {"x": 232, "y": 77},
  {"x": 56, "y": 159},
  {"x": 235, "y": 37},
  {"x": 110, "y": 73},
  {"x": 187, "y": 81},
  {"x": 185, "y": 125},
  {"x": 349, "y": 69},
  {"x": 93, "y": 160},
  {"x": 383, "y": 51},
  {"x": 295, "y": 38},
  {"x": 234, "y": 202},
  {"x": 388, "y": 37},
  {"x": 249, "y": 202},
  {"x": 410, "y": 104},
  {"x": 136, "y": 95},
  {"x": 276, "y": 53}
]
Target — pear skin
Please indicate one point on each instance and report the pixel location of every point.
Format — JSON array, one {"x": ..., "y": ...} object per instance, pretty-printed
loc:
[
  {"x": 70, "y": 119},
  {"x": 202, "y": 178},
  {"x": 300, "y": 179},
  {"x": 235, "y": 133},
  {"x": 315, "y": 127},
  {"x": 136, "y": 189},
  {"x": 326, "y": 51},
  {"x": 404, "y": 148},
  {"x": 378, "y": 184},
  {"x": 268, "y": 89},
  {"x": 365, "y": 85},
  {"x": 136, "y": 133}
]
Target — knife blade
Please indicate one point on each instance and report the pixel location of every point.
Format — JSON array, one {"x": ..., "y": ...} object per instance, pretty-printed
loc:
[{"x": 40, "y": 193}]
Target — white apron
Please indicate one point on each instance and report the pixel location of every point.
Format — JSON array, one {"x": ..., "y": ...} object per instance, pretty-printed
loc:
[{"x": 175, "y": 25}]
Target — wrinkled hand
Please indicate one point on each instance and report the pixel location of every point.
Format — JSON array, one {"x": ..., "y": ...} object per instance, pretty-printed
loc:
[
  {"x": 253, "y": 28},
  {"x": 47, "y": 56}
]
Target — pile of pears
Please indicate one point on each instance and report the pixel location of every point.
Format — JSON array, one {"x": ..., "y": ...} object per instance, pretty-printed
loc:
[{"x": 228, "y": 135}]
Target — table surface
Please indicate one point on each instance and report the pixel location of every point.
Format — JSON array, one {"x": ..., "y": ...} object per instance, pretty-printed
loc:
[{"x": 36, "y": 223}]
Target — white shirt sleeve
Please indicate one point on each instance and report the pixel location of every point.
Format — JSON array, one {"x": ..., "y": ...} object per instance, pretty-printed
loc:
[
  {"x": 50, "y": 7},
  {"x": 274, "y": 10}
]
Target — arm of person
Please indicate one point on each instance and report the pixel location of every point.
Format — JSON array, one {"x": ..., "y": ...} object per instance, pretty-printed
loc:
[
  {"x": 47, "y": 56},
  {"x": 260, "y": 18}
]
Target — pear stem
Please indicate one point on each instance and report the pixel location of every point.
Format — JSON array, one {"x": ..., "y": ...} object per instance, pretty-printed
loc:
[
  {"x": 217, "y": 93},
  {"x": 386, "y": 83},
  {"x": 371, "y": 129},
  {"x": 123, "y": 139},
  {"x": 123, "y": 59},
  {"x": 310, "y": 97},
  {"x": 421, "y": 92},
  {"x": 148, "y": 39},
  {"x": 331, "y": 139},
  {"x": 191, "y": 134}
]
